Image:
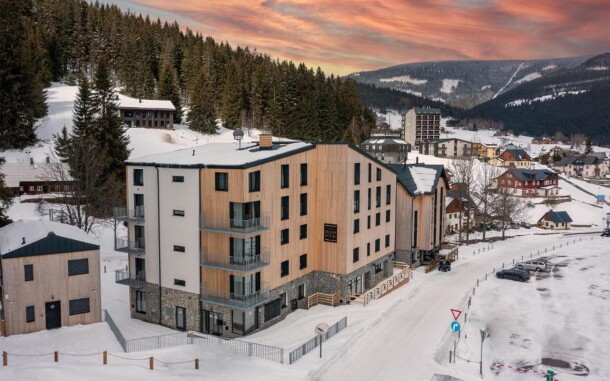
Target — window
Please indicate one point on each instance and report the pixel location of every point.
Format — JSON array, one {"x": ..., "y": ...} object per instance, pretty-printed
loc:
[
  {"x": 301, "y": 291},
  {"x": 378, "y": 174},
  {"x": 388, "y": 194},
  {"x": 30, "y": 316},
  {"x": 29, "y": 272},
  {"x": 368, "y": 249},
  {"x": 303, "y": 262},
  {"x": 304, "y": 174},
  {"x": 284, "y": 269},
  {"x": 285, "y": 176},
  {"x": 368, "y": 222},
  {"x": 138, "y": 177},
  {"x": 370, "y": 172},
  {"x": 356, "y": 225},
  {"x": 285, "y": 210},
  {"x": 79, "y": 306},
  {"x": 178, "y": 179},
  {"x": 285, "y": 236},
  {"x": 377, "y": 219},
  {"x": 387, "y": 240},
  {"x": 415, "y": 220},
  {"x": 377, "y": 245},
  {"x": 178, "y": 213},
  {"x": 140, "y": 302},
  {"x": 356, "y": 255},
  {"x": 180, "y": 249},
  {"x": 222, "y": 181},
  {"x": 179, "y": 282},
  {"x": 78, "y": 266},
  {"x": 254, "y": 181},
  {"x": 369, "y": 199},
  {"x": 303, "y": 204},
  {"x": 356, "y": 201},
  {"x": 356, "y": 173},
  {"x": 378, "y": 268},
  {"x": 303, "y": 231},
  {"x": 387, "y": 215},
  {"x": 377, "y": 197}
]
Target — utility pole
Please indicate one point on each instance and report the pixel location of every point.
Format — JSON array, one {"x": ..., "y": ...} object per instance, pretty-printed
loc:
[{"x": 481, "y": 362}]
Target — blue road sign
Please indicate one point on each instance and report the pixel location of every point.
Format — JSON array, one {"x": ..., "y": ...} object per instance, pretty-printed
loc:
[{"x": 455, "y": 326}]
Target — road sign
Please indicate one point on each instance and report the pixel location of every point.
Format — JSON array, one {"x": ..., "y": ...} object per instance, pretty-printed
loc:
[
  {"x": 456, "y": 313},
  {"x": 321, "y": 329},
  {"x": 455, "y": 326}
]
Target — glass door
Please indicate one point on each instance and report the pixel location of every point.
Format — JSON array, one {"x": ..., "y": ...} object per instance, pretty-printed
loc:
[{"x": 181, "y": 318}]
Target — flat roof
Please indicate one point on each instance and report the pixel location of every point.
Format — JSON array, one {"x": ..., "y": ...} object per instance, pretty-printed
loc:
[
  {"x": 126, "y": 102},
  {"x": 14, "y": 173}
]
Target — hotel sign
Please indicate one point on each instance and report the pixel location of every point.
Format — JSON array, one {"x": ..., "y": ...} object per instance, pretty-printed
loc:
[{"x": 330, "y": 232}]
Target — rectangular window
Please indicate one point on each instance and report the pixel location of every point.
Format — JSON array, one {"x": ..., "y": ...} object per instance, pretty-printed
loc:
[
  {"x": 303, "y": 261},
  {"x": 356, "y": 255},
  {"x": 388, "y": 194},
  {"x": 284, "y": 269},
  {"x": 78, "y": 266},
  {"x": 356, "y": 225},
  {"x": 178, "y": 213},
  {"x": 301, "y": 291},
  {"x": 30, "y": 316},
  {"x": 180, "y": 249},
  {"x": 387, "y": 216},
  {"x": 304, "y": 174},
  {"x": 285, "y": 236},
  {"x": 79, "y": 306},
  {"x": 368, "y": 222},
  {"x": 415, "y": 220},
  {"x": 29, "y": 272},
  {"x": 177, "y": 179},
  {"x": 303, "y": 204},
  {"x": 254, "y": 181},
  {"x": 140, "y": 302},
  {"x": 378, "y": 174},
  {"x": 369, "y": 199},
  {"x": 356, "y": 173},
  {"x": 285, "y": 210},
  {"x": 368, "y": 249},
  {"x": 222, "y": 181},
  {"x": 387, "y": 240},
  {"x": 377, "y": 219},
  {"x": 370, "y": 172},
  {"x": 138, "y": 177},
  {"x": 377, "y": 197},
  {"x": 303, "y": 231},
  {"x": 179, "y": 282},
  {"x": 285, "y": 176},
  {"x": 356, "y": 201},
  {"x": 377, "y": 245}
]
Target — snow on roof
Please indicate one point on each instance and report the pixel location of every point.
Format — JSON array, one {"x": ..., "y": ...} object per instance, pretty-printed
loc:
[
  {"x": 11, "y": 236},
  {"x": 383, "y": 140},
  {"x": 219, "y": 154},
  {"x": 126, "y": 102},
  {"x": 17, "y": 172},
  {"x": 424, "y": 177}
]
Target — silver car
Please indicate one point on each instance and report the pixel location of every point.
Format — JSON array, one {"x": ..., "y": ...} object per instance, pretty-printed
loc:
[{"x": 534, "y": 265}]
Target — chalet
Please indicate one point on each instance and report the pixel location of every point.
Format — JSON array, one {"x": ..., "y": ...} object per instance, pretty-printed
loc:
[
  {"x": 513, "y": 157},
  {"x": 459, "y": 204},
  {"x": 50, "y": 277},
  {"x": 452, "y": 148},
  {"x": 33, "y": 178},
  {"x": 529, "y": 182},
  {"x": 555, "y": 220},
  {"x": 146, "y": 113},
  {"x": 584, "y": 166}
]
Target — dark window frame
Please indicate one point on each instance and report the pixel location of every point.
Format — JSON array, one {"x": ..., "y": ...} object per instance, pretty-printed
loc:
[
  {"x": 284, "y": 208},
  {"x": 284, "y": 268},
  {"x": 304, "y": 174},
  {"x": 178, "y": 213},
  {"x": 387, "y": 240},
  {"x": 30, "y": 314},
  {"x": 303, "y": 204},
  {"x": 377, "y": 197},
  {"x": 388, "y": 194},
  {"x": 284, "y": 176},
  {"x": 378, "y": 174},
  {"x": 177, "y": 179},
  {"x": 180, "y": 249},
  {"x": 75, "y": 307},
  {"x": 179, "y": 282},
  {"x": 377, "y": 219},
  {"x": 303, "y": 231},
  {"x": 285, "y": 236},
  {"x": 377, "y": 245},
  {"x": 356, "y": 201},
  {"x": 357, "y": 225},
  {"x": 77, "y": 267},
  {"x": 356, "y": 255},
  {"x": 254, "y": 181},
  {"x": 138, "y": 180},
  {"x": 303, "y": 261},
  {"x": 370, "y": 172},
  {"x": 221, "y": 181},
  {"x": 388, "y": 215},
  {"x": 356, "y": 173},
  {"x": 28, "y": 272}
]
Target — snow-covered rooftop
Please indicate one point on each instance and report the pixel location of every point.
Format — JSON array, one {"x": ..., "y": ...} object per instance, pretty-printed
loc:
[
  {"x": 126, "y": 102},
  {"x": 221, "y": 154},
  {"x": 16, "y": 172},
  {"x": 424, "y": 177},
  {"x": 12, "y": 235}
]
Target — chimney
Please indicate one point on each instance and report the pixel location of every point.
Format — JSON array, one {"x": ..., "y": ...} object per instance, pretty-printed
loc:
[
  {"x": 23, "y": 240},
  {"x": 265, "y": 141},
  {"x": 193, "y": 152},
  {"x": 417, "y": 160}
]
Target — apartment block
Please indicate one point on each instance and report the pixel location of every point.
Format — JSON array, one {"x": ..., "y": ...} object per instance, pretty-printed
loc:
[
  {"x": 421, "y": 125},
  {"x": 452, "y": 148},
  {"x": 226, "y": 241}
]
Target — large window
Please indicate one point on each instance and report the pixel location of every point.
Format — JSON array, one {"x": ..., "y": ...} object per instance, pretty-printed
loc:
[
  {"x": 387, "y": 240},
  {"x": 356, "y": 255},
  {"x": 138, "y": 177},
  {"x": 29, "y": 272},
  {"x": 254, "y": 181},
  {"x": 304, "y": 174},
  {"x": 388, "y": 194},
  {"x": 245, "y": 215},
  {"x": 377, "y": 197},
  {"x": 387, "y": 216},
  {"x": 377, "y": 219},
  {"x": 356, "y": 201},
  {"x": 303, "y": 231},
  {"x": 30, "y": 316},
  {"x": 356, "y": 225},
  {"x": 140, "y": 302},
  {"x": 244, "y": 250},
  {"x": 222, "y": 181},
  {"x": 369, "y": 199},
  {"x": 79, "y": 306},
  {"x": 285, "y": 176},
  {"x": 356, "y": 173},
  {"x": 301, "y": 291},
  {"x": 284, "y": 268},
  {"x": 377, "y": 245},
  {"x": 285, "y": 236},
  {"x": 303, "y": 204},
  {"x": 378, "y": 174},
  {"x": 78, "y": 266},
  {"x": 370, "y": 172},
  {"x": 303, "y": 261},
  {"x": 285, "y": 212}
]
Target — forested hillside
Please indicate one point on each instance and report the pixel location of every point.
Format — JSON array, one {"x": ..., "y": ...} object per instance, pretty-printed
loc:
[{"x": 60, "y": 39}]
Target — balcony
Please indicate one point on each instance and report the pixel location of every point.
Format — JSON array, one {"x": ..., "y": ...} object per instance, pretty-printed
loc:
[
  {"x": 131, "y": 215},
  {"x": 243, "y": 264},
  {"x": 131, "y": 247},
  {"x": 233, "y": 300},
  {"x": 234, "y": 226},
  {"x": 132, "y": 280}
]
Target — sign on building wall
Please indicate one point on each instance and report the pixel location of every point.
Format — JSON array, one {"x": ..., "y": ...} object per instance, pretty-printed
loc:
[{"x": 330, "y": 232}]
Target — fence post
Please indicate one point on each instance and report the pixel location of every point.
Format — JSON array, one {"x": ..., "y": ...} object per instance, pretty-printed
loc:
[
  {"x": 450, "y": 356},
  {"x": 151, "y": 361},
  {"x": 56, "y": 355},
  {"x": 105, "y": 357},
  {"x": 196, "y": 363},
  {"x": 513, "y": 261},
  {"x": 473, "y": 290},
  {"x": 4, "y": 358}
]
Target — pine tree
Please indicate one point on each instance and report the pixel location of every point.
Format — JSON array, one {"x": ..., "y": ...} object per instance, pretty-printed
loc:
[
  {"x": 168, "y": 88},
  {"x": 232, "y": 98},
  {"x": 62, "y": 143},
  {"x": 85, "y": 109},
  {"x": 5, "y": 199},
  {"x": 201, "y": 116}
]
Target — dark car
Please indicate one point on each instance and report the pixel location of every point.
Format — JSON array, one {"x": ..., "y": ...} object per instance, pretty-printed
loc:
[
  {"x": 606, "y": 233},
  {"x": 514, "y": 274},
  {"x": 444, "y": 266}
]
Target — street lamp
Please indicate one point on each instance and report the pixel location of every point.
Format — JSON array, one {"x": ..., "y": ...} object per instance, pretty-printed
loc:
[
  {"x": 238, "y": 135},
  {"x": 481, "y": 362}
]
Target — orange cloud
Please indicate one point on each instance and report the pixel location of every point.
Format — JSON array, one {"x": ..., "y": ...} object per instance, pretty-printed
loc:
[{"x": 343, "y": 36}]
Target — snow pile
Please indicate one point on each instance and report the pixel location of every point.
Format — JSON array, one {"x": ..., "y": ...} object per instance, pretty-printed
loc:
[
  {"x": 449, "y": 85},
  {"x": 486, "y": 87},
  {"x": 598, "y": 68},
  {"x": 404, "y": 79},
  {"x": 529, "y": 77}
]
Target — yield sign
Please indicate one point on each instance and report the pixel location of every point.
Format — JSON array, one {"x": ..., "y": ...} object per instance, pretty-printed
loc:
[{"x": 456, "y": 313}]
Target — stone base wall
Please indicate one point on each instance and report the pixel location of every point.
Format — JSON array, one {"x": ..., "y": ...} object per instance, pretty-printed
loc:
[
  {"x": 151, "y": 295},
  {"x": 410, "y": 257},
  {"x": 170, "y": 299}
]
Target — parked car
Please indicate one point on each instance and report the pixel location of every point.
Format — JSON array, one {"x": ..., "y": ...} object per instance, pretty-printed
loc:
[
  {"x": 606, "y": 233},
  {"x": 514, "y": 274},
  {"x": 525, "y": 225},
  {"x": 444, "y": 266},
  {"x": 532, "y": 265}
]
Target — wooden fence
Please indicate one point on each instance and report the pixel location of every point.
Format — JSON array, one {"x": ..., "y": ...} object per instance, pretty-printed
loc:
[
  {"x": 385, "y": 286},
  {"x": 320, "y": 298}
]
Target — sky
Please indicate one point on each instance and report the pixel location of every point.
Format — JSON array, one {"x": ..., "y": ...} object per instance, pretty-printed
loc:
[{"x": 345, "y": 36}]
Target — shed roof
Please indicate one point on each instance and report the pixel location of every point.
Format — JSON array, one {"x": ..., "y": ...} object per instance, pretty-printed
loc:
[{"x": 531, "y": 174}]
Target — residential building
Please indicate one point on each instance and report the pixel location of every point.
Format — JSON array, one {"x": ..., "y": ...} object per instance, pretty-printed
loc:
[
  {"x": 485, "y": 151},
  {"x": 227, "y": 241},
  {"x": 555, "y": 220},
  {"x": 452, "y": 148},
  {"x": 34, "y": 178},
  {"x": 584, "y": 166},
  {"x": 513, "y": 157},
  {"x": 529, "y": 182},
  {"x": 388, "y": 148},
  {"x": 146, "y": 113},
  {"x": 420, "y": 212},
  {"x": 460, "y": 210},
  {"x": 50, "y": 277},
  {"x": 421, "y": 125}
]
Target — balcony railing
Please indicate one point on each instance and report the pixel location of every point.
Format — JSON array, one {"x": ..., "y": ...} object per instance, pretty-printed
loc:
[
  {"x": 126, "y": 246},
  {"x": 133, "y": 215},
  {"x": 133, "y": 280},
  {"x": 236, "y": 300},
  {"x": 245, "y": 264},
  {"x": 233, "y": 226}
]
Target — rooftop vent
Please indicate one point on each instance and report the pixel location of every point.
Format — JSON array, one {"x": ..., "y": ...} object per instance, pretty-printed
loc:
[{"x": 265, "y": 141}]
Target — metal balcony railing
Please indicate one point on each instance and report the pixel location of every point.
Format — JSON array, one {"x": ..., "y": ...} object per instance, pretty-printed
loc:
[
  {"x": 244, "y": 301},
  {"x": 227, "y": 262},
  {"x": 133, "y": 280},
  {"x": 133, "y": 215},
  {"x": 126, "y": 246},
  {"x": 233, "y": 226}
]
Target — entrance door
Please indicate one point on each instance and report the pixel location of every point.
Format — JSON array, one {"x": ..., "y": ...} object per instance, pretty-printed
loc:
[
  {"x": 213, "y": 322},
  {"x": 181, "y": 318},
  {"x": 53, "y": 314}
]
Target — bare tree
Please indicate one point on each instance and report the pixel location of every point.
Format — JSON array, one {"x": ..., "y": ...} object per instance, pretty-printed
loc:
[
  {"x": 485, "y": 195},
  {"x": 507, "y": 209},
  {"x": 463, "y": 176}
]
